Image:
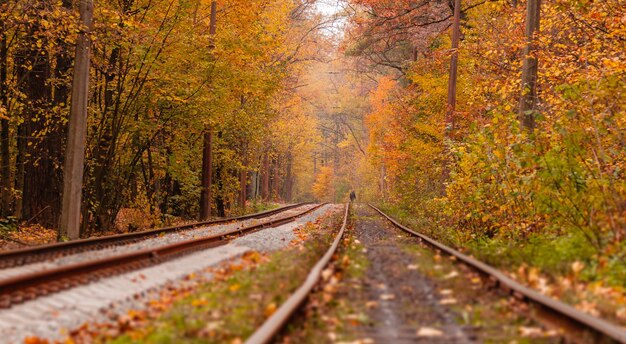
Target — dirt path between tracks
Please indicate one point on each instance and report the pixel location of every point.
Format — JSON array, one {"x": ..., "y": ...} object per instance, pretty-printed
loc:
[{"x": 405, "y": 299}]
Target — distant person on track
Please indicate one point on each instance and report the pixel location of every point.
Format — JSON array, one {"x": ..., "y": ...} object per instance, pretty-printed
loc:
[{"x": 352, "y": 196}]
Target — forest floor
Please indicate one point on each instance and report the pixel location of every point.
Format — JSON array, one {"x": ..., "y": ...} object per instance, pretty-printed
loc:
[{"x": 26, "y": 236}]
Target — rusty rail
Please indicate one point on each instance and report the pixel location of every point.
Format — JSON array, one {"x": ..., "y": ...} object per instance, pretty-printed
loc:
[
  {"x": 40, "y": 253},
  {"x": 272, "y": 326},
  {"x": 32, "y": 285},
  {"x": 579, "y": 326}
]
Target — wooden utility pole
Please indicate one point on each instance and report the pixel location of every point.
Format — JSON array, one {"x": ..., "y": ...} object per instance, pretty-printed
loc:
[
  {"x": 75, "y": 153},
  {"x": 454, "y": 64},
  {"x": 528, "y": 99},
  {"x": 207, "y": 151}
]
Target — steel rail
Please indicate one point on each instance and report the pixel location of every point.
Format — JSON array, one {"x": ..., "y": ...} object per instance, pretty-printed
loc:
[
  {"x": 20, "y": 288},
  {"x": 272, "y": 326},
  {"x": 40, "y": 253},
  {"x": 588, "y": 328}
]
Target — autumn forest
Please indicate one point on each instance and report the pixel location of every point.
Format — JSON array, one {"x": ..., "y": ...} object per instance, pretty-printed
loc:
[{"x": 496, "y": 127}]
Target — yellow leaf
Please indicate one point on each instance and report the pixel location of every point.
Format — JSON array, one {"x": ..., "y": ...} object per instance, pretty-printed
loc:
[
  {"x": 270, "y": 309},
  {"x": 199, "y": 302}
]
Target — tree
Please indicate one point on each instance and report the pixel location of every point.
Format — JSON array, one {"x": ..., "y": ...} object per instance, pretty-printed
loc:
[
  {"x": 528, "y": 99},
  {"x": 5, "y": 154},
  {"x": 75, "y": 154},
  {"x": 454, "y": 66},
  {"x": 207, "y": 151}
]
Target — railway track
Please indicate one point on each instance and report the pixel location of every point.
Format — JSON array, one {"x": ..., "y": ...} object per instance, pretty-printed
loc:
[
  {"x": 576, "y": 325},
  {"x": 279, "y": 319},
  {"x": 21, "y": 288},
  {"x": 31, "y": 255}
]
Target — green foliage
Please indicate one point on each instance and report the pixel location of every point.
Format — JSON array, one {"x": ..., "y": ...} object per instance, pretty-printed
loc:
[{"x": 8, "y": 224}]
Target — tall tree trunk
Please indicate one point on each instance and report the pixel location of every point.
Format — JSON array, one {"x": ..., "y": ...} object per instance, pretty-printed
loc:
[
  {"x": 528, "y": 99},
  {"x": 207, "y": 175},
  {"x": 220, "y": 204},
  {"x": 276, "y": 179},
  {"x": 5, "y": 157},
  {"x": 289, "y": 179},
  {"x": 382, "y": 183},
  {"x": 454, "y": 63},
  {"x": 39, "y": 156},
  {"x": 207, "y": 151},
  {"x": 265, "y": 177},
  {"x": 19, "y": 169},
  {"x": 243, "y": 184},
  {"x": 452, "y": 86},
  {"x": 75, "y": 154}
]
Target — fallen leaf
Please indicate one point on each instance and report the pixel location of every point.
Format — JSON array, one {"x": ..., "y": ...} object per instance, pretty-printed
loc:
[
  {"x": 386, "y": 297},
  {"x": 345, "y": 261},
  {"x": 448, "y": 301},
  {"x": 412, "y": 267},
  {"x": 429, "y": 332},
  {"x": 577, "y": 267},
  {"x": 199, "y": 302},
  {"x": 326, "y": 274},
  {"x": 270, "y": 309},
  {"x": 234, "y": 287},
  {"x": 445, "y": 292},
  {"x": 210, "y": 328},
  {"x": 356, "y": 319},
  {"x": 588, "y": 307},
  {"x": 452, "y": 274},
  {"x": 35, "y": 340},
  {"x": 621, "y": 314},
  {"x": 530, "y": 331},
  {"x": 371, "y": 304}
]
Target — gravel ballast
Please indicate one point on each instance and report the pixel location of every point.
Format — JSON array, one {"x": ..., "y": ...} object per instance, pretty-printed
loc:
[{"x": 163, "y": 240}]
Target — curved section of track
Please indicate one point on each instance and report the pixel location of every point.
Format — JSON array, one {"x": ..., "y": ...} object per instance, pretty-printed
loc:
[
  {"x": 582, "y": 326},
  {"x": 272, "y": 326},
  {"x": 30, "y": 255},
  {"x": 29, "y": 286}
]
